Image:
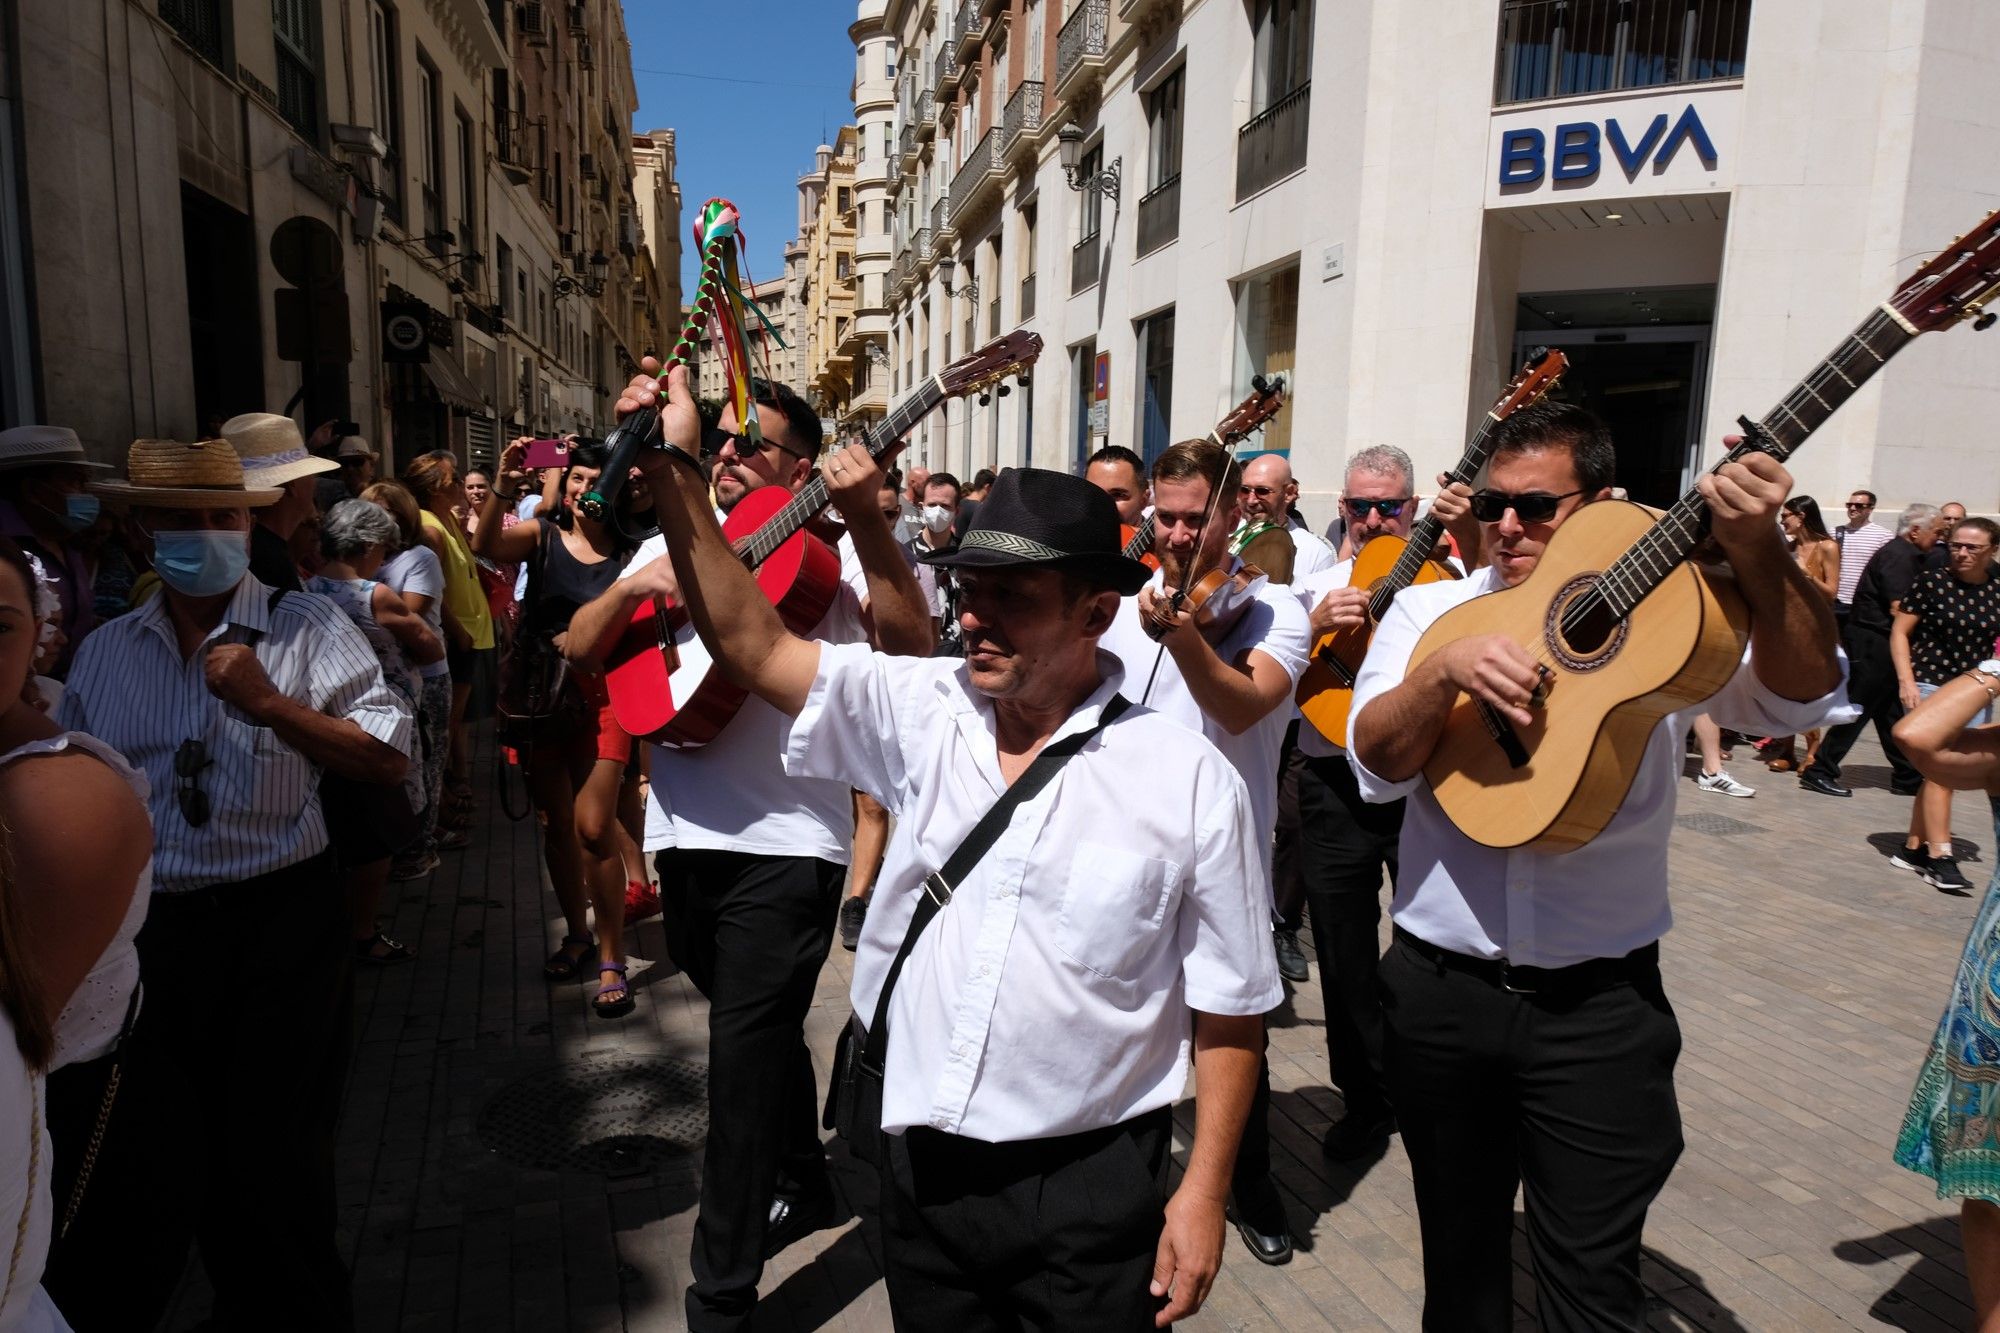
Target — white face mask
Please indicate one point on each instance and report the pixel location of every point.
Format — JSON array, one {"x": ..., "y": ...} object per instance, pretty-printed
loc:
[{"x": 937, "y": 518}]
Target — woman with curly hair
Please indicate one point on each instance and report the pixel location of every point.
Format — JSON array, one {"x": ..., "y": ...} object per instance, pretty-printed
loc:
[{"x": 439, "y": 485}]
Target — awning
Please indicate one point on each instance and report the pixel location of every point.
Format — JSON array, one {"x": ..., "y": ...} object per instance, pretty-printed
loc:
[{"x": 453, "y": 385}]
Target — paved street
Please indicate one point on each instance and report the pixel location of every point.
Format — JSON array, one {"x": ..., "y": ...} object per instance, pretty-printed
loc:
[{"x": 1807, "y": 973}]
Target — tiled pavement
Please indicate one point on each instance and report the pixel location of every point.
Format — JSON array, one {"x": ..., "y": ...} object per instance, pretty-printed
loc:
[{"x": 1806, "y": 971}]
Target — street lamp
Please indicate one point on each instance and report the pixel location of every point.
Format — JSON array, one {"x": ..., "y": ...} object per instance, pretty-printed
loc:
[
  {"x": 947, "y": 270},
  {"x": 591, "y": 284},
  {"x": 1069, "y": 145}
]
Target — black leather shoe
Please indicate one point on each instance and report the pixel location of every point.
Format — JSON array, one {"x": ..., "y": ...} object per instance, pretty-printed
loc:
[
  {"x": 1824, "y": 786},
  {"x": 1291, "y": 958},
  {"x": 1357, "y": 1134},
  {"x": 1272, "y": 1246},
  {"x": 794, "y": 1219}
]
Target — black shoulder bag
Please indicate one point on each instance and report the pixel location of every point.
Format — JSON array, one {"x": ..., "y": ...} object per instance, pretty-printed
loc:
[{"x": 854, "y": 1101}]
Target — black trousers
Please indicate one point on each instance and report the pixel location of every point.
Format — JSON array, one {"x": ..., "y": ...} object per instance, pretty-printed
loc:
[
  {"x": 223, "y": 1131},
  {"x": 1570, "y": 1095},
  {"x": 1348, "y": 846},
  {"x": 1288, "y": 882},
  {"x": 1056, "y": 1233},
  {"x": 752, "y": 933},
  {"x": 1871, "y": 685}
]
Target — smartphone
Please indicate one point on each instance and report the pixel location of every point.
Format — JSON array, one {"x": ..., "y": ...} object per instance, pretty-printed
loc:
[{"x": 547, "y": 453}]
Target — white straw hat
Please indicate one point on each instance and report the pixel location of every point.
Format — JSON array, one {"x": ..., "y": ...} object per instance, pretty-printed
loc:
[
  {"x": 42, "y": 446},
  {"x": 272, "y": 450}
]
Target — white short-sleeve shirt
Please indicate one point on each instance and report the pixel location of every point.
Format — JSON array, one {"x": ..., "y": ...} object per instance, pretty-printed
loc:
[{"x": 1053, "y": 994}]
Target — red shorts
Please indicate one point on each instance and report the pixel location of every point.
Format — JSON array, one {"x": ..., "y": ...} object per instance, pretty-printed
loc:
[{"x": 613, "y": 741}]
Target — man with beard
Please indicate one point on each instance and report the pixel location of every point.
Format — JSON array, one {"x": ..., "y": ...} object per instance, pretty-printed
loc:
[
  {"x": 759, "y": 857},
  {"x": 1023, "y": 1176},
  {"x": 1227, "y": 672}
]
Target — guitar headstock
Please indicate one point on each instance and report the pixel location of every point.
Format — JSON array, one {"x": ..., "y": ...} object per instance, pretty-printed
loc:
[
  {"x": 1545, "y": 366},
  {"x": 1958, "y": 284},
  {"x": 987, "y": 367},
  {"x": 1260, "y": 406}
]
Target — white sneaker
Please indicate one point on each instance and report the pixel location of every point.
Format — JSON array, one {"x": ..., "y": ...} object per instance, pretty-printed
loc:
[{"x": 1723, "y": 785}]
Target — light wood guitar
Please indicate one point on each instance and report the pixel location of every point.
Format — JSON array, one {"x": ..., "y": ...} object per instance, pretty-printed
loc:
[
  {"x": 1389, "y": 564},
  {"x": 1627, "y": 627}
]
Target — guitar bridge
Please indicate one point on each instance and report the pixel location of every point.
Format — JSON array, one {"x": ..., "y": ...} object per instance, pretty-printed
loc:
[{"x": 1503, "y": 734}]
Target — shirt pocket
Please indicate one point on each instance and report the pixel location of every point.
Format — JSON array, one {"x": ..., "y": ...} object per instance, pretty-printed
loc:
[
  {"x": 259, "y": 773},
  {"x": 1114, "y": 906}
]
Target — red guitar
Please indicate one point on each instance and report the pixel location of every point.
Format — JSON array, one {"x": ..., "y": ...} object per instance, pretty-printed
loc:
[
  {"x": 1249, "y": 415},
  {"x": 658, "y": 675}
]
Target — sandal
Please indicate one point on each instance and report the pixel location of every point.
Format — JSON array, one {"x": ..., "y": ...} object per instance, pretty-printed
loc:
[
  {"x": 566, "y": 966},
  {"x": 621, "y": 1002},
  {"x": 454, "y": 840},
  {"x": 391, "y": 951}
]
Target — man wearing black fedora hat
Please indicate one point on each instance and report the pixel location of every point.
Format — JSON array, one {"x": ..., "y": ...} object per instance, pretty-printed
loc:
[{"x": 1023, "y": 1171}]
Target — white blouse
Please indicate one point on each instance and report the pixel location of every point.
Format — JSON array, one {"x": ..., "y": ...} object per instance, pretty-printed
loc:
[{"x": 26, "y": 1205}]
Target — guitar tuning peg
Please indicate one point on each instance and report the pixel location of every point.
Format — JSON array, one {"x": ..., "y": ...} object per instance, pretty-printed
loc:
[
  {"x": 985, "y": 397},
  {"x": 1003, "y": 390},
  {"x": 1022, "y": 379},
  {"x": 1984, "y": 322}
]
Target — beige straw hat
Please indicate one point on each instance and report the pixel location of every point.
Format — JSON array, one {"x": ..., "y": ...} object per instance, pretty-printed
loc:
[
  {"x": 272, "y": 450},
  {"x": 170, "y": 474}
]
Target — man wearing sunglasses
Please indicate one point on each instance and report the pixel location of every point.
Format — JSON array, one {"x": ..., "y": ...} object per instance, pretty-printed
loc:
[
  {"x": 1860, "y": 537},
  {"x": 233, "y": 702},
  {"x": 1270, "y": 494},
  {"x": 757, "y": 858},
  {"x": 1527, "y": 1037}
]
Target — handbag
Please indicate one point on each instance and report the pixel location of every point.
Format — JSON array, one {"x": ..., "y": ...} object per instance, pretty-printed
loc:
[
  {"x": 103, "y": 1121},
  {"x": 854, "y": 1098},
  {"x": 537, "y": 701}
]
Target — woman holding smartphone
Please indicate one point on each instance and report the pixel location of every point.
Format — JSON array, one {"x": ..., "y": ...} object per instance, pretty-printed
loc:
[{"x": 574, "y": 778}]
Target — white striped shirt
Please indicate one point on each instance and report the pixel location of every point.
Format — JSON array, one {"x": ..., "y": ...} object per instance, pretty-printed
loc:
[
  {"x": 1858, "y": 546},
  {"x": 130, "y": 687}
]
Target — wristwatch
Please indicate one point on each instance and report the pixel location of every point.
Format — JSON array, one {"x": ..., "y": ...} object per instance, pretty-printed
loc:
[{"x": 1987, "y": 673}]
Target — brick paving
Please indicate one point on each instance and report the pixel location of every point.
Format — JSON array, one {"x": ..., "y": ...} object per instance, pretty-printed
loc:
[{"x": 1807, "y": 973}]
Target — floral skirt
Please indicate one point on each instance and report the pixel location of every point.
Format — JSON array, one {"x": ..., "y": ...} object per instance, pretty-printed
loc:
[{"x": 1951, "y": 1131}]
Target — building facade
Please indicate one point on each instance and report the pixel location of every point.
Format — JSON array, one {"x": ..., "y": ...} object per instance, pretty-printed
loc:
[
  {"x": 827, "y": 285},
  {"x": 415, "y": 217},
  {"x": 1389, "y": 204},
  {"x": 657, "y": 281}
]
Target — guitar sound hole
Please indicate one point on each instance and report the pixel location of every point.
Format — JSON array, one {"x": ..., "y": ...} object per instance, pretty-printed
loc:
[{"x": 1582, "y": 630}]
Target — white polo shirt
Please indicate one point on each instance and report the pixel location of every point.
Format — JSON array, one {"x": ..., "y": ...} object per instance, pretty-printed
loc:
[{"x": 1053, "y": 994}]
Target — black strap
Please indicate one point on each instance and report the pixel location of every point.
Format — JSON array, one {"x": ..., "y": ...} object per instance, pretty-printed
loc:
[{"x": 939, "y": 885}]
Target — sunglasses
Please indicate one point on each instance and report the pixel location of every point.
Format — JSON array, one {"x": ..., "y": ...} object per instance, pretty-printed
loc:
[
  {"x": 1358, "y": 509},
  {"x": 1260, "y": 492},
  {"x": 189, "y": 761},
  {"x": 1534, "y": 507},
  {"x": 1859, "y": 504},
  {"x": 714, "y": 437},
  {"x": 1969, "y": 547}
]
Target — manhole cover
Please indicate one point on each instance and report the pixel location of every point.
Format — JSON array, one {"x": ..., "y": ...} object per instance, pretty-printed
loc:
[
  {"x": 612, "y": 1115},
  {"x": 1721, "y": 826}
]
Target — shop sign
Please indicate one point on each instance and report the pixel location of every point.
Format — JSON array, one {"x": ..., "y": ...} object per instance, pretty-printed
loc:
[
  {"x": 1657, "y": 144},
  {"x": 1574, "y": 150}
]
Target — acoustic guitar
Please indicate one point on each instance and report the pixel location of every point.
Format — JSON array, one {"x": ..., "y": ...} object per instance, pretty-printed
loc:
[
  {"x": 658, "y": 673},
  {"x": 1266, "y": 396},
  {"x": 1626, "y": 626},
  {"x": 1389, "y": 564}
]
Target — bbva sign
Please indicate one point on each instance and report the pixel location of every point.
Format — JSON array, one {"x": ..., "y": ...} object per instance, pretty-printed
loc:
[{"x": 1575, "y": 151}]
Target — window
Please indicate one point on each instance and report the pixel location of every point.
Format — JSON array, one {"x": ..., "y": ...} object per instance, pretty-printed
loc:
[
  {"x": 1090, "y": 205},
  {"x": 1027, "y": 310},
  {"x": 468, "y": 183},
  {"x": 503, "y": 273},
  {"x": 1082, "y": 378},
  {"x": 1283, "y": 51},
  {"x": 843, "y": 199},
  {"x": 843, "y": 266},
  {"x": 1156, "y": 383},
  {"x": 888, "y": 60},
  {"x": 295, "y": 26},
  {"x": 430, "y": 148},
  {"x": 1267, "y": 330},
  {"x": 521, "y": 297},
  {"x": 199, "y": 23},
  {"x": 1563, "y": 48},
  {"x": 1163, "y": 126},
  {"x": 383, "y": 76}
]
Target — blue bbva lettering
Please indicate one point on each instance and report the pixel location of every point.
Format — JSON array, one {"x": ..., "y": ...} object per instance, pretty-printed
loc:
[{"x": 1526, "y": 154}]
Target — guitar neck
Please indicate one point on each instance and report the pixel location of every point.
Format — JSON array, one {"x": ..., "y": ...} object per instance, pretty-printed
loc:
[
  {"x": 1142, "y": 539},
  {"x": 1784, "y": 428},
  {"x": 812, "y": 498},
  {"x": 1424, "y": 536}
]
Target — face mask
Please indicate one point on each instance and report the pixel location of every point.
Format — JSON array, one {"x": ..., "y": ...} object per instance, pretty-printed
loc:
[
  {"x": 937, "y": 518},
  {"x": 80, "y": 510},
  {"x": 201, "y": 563}
]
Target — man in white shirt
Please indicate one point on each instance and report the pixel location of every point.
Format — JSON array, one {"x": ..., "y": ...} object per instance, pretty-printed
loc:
[
  {"x": 1348, "y": 845},
  {"x": 1120, "y": 474},
  {"x": 233, "y": 702},
  {"x": 1227, "y": 673},
  {"x": 756, "y": 858},
  {"x": 1270, "y": 493},
  {"x": 1528, "y": 1039},
  {"x": 1860, "y": 537},
  {"x": 1040, "y": 1029}
]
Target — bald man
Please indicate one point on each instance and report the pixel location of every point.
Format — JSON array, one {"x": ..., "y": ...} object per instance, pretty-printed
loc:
[
  {"x": 1950, "y": 514},
  {"x": 1269, "y": 493}
]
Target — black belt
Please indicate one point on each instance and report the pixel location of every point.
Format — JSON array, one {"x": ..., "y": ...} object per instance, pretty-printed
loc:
[
  {"x": 1592, "y": 974},
  {"x": 233, "y": 893}
]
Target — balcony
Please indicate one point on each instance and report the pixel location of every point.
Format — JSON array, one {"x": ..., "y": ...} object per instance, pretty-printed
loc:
[
  {"x": 921, "y": 246},
  {"x": 1570, "y": 48},
  {"x": 1080, "y": 46},
  {"x": 941, "y": 229},
  {"x": 1022, "y": 122},
  {"x": 1027, "y": 311},
  {"x": 926, "y": 119},
  {"x": 944, "y": 73},
  {"x": 1160, "y": 215},
  {"x": 906, "y": 147},
  {"x": 1273, "y": 145},
  {"x": 965, "y": 29},
  {"x": 1083, "y": 263},
  {"x": 980, "y": 179}
]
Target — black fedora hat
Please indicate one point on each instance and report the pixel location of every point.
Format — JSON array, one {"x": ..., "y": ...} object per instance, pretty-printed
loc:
[{"x": 1037, "y": 518}]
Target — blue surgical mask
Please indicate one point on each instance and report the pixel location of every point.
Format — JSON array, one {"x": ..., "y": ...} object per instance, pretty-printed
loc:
[
  {"x": 202, "y": 562},
  {"x": 80, "y": 510}
]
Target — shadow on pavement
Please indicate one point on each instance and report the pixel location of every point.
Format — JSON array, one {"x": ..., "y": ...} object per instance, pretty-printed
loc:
[{"x": 1934, "y": 1284}]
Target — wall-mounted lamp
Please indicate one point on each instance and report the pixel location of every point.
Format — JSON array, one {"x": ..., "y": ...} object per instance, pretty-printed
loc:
[
  {"x": 1069, "y": 144},
  {"x": 947, "y": 269},
  {"x": 590, "y": 284}
]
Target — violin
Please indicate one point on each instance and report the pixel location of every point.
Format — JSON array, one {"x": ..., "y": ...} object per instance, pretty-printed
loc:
[{"x": 1214, "y": 600}]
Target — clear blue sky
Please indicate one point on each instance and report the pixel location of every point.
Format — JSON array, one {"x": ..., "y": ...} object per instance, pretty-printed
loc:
[{"x": 749, "y": 87}]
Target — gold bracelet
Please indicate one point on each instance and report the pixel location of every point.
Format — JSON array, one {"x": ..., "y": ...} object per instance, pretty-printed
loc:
[{"x": 1984, "y": 682}]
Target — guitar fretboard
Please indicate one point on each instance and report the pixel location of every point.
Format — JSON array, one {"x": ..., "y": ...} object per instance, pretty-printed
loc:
[
  {"x": 812, "y": 498},
  {"x": 1784, "y": 428},
  {"x": 1142, "y": 539},
  {"x": 1424, "y": 535}
]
